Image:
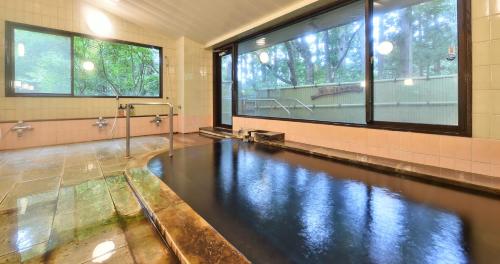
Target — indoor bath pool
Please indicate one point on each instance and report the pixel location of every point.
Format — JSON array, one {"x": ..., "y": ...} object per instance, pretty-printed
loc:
[{"x": 278, "y": 206}]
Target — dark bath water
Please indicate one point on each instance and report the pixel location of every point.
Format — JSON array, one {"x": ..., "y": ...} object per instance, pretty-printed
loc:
[{"x": 278, "y": 206}]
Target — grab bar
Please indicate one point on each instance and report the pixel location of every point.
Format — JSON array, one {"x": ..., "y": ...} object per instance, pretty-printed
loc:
[
  {"x": 271, "y": 100},
  {"x": 304, "y": 105},
  {"x": 171, "y": 128}
]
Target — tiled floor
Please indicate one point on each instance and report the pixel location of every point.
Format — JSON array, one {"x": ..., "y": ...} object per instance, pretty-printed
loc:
[{"x": 71, "y": 204}]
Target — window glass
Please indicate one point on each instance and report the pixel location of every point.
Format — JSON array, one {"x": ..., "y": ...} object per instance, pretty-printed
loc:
[
  {"x": 311, "y": 70},
  {"x": 42, "y": 63},
  {"x": 103, "y": 67},
  {"x": 416, "y": 62},
  {"x": 226, "y": 89}
]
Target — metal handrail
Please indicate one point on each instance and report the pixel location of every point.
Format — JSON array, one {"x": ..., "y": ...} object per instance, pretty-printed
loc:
[
  {"x": 304, "y": 105},
  {"x": 171, "y": 128},
  {"x": 272, "y": 100}
]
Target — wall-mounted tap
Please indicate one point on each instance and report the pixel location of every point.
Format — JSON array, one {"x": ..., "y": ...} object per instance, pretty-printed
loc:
[
  {"x": 101, "y": 122},
  {"x": 21, "y": 127},
  {"x": 157, "y": 120}
]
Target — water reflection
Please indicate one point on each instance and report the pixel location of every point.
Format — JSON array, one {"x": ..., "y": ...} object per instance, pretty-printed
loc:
[{"x": 282, "y": 206}]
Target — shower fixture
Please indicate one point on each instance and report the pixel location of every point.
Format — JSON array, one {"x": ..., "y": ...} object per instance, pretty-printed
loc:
[
  {"x": 157, "y": 120},
  {"x": 21, "y": 127},
  {"x": 101, "y": 122}
]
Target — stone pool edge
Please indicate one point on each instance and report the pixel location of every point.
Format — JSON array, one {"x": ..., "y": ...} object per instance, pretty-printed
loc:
[
  {"x": 468, "y": 181},
  {"x": 488, "y": 185},
  {"x": 191, "y": 237}
]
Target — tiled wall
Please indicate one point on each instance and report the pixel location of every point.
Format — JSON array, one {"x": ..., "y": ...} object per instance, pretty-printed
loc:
[
  {"x": 72, "y": 131},
  {"x": 194, "y": 108},
  {"x": 480, "y": 154},
  {"x": 466, "y": 154},
  {"x": 195, "y": 91},
  {"x": 68, "y": 15},
  {"x": 486, "y": 68}
]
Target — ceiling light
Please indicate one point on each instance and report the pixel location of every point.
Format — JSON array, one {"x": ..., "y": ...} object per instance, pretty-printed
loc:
[
  {"x": 261, "y": 42},
  {"x": 99, "y": 23},
  {"x": 88, "y": 65},
  {"x": 408, "y": 82},
  {"x": 385, "y": 47},
  {"x": 103, "y": 251},
  {"x": 21, "y": 50},
  {"x": 264, "y": 57}
]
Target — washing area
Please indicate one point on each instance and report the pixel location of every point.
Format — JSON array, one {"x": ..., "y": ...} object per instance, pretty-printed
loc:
[{"x": 284, "y": 131}]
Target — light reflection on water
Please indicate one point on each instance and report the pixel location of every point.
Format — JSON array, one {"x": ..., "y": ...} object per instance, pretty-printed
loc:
[{"x": 305, "y": 215}]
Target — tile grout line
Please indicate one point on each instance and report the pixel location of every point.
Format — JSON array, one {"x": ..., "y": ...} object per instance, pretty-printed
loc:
[{"x": 57, "y": 199}]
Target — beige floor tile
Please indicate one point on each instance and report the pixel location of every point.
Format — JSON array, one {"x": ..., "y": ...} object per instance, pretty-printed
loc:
[
  {"x": 27, "y": 194},
  {"x": 22, "y": 229},
  {"x": 57, "y": 207},
  {"x": 30, "y": 255},
  {"x": 145, "y": 243},
  {"x": 85, "y": 171},
  {"x": 86, "y": 244},
  {"x": 119, "y": 256}
]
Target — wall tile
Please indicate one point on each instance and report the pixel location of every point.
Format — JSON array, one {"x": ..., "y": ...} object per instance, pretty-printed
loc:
[
  {"x": 481, "y": 125},
  {"x": 481, "y": 150},
  {"x": 480, "y": 8},
  {"x": 481, "y": 29},
  {"x": 481, "y": 77},
  {"x": 481, "y": 51}
]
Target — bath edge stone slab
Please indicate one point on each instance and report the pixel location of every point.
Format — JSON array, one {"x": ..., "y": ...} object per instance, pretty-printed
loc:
[
  {"x": 191, "y": 238},
  {"x": 488, "y": 185}
]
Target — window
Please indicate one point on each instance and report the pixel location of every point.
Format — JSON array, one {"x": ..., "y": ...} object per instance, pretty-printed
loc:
[
  {"x": 101, "y": 67},
  {"x": 415, "y": 62},
  {"x": 42, "y": 63},
  {"x": 312, "y": 70},
  {"x": 46, "y": 62},
  {"x": 407, "y": 69}
]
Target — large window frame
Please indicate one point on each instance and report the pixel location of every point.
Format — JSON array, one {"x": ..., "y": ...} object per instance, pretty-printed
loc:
[
  {"x": 10, "y": 28},
  {"x": 464, "y": 127}
]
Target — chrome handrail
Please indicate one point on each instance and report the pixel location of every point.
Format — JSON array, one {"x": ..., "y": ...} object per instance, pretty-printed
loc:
[
  {"x": 304, "y": 105},
  {"x": 271, "y": 100},
  {"x": 171, "y": 128}
]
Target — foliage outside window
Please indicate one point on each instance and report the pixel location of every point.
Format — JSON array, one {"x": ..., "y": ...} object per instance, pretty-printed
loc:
[
  {"x": 290, "y": 72},
  {"x": 315, "y": 68},
  {"x": 102, "y": 67},
  {"x": 42, "y": 63},
  {"x": 416, "y": 63},
  {"x": 56, "y": 63}
]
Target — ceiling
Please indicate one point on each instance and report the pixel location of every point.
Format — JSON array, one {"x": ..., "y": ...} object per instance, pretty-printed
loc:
[{"x": 206, "y": 21}]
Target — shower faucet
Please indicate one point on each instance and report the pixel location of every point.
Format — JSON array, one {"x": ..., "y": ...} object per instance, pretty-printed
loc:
[
  {"x": 157, "y": 120},
  {"x": 21, "y": 127},
  {"x": 101, "y": 122}
]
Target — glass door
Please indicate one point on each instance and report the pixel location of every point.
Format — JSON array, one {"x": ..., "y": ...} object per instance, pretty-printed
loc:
[{"x": 223, "y": 89}]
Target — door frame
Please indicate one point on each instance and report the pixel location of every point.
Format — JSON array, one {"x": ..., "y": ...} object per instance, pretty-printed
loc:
[{"x": 217, "y": 87}]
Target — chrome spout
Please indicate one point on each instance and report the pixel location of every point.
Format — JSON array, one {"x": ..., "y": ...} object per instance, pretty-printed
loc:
[
  {"x": 157, "y": 120},
  {"x": 101, "y": 122},
  {"x": 21, "y": 127}
]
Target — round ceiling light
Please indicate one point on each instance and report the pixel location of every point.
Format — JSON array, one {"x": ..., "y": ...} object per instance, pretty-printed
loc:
[
  {"x": 385, "y": 48},
  {"x": 99, "y": 23}
]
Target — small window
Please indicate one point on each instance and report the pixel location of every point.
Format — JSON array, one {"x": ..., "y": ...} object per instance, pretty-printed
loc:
[
  {"x": 42, "y": 63},
  {"x": 103, "y": 67},
  {"x": 48, "y": 62}
]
